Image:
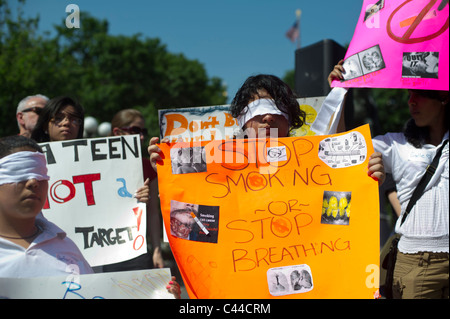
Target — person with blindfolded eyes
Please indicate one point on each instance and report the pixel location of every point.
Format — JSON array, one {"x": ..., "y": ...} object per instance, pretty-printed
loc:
[
  {"x": 28, "y": 112},
  {"x": 129, "y": 122},
  {"x": 30, "y": 245},
  {"x": 265, "y": 106}
]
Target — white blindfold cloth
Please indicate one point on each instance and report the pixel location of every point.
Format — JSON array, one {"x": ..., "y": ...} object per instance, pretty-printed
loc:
[
  {"x": 260, "y": 107},
  {"x": 23, "y": 166}
]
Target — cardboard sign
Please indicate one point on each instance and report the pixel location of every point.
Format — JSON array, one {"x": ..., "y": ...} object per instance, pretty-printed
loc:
[
  {"x": 140, "y": 284},
  {"x": 91, "y": 187},
  {"x": 293, "y": 217},
  {"x": 195, "y": 124},
  {"x": 399, "y": 44},
  {"x": 207, "y": 123}
]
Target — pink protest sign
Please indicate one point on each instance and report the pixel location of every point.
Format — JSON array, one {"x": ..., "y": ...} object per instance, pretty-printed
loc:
[{"x": 399, "y": 44}]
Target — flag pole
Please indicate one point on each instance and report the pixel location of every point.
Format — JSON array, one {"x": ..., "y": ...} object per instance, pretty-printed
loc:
[{"x": 298, "y": 13}]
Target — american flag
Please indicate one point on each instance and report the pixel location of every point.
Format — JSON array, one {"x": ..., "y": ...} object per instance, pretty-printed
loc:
[{"x": 293, "y": 33}]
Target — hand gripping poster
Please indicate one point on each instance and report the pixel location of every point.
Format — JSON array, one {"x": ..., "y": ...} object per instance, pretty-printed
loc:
[
  {"x": 294, "y": 217},
  {"x": 399, "y": 44}
]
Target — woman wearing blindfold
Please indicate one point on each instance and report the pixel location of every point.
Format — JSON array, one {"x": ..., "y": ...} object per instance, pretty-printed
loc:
[{"x": 265, "y": 106}]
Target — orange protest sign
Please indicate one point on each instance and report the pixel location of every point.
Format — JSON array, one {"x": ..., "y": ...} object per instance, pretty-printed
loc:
[{"x": 293, "y": 217}]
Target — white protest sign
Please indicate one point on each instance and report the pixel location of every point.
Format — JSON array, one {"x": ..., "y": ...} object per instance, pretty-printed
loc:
[
  {"x": 140, "y": 284},
  {"x": 206, "y": 123},
  {"x": 195, "y": 124},
  {"x": 91, "y": 187}
]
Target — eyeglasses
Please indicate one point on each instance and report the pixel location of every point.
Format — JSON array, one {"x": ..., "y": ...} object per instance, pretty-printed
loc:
[
  {"x": 34, "y": 109},
  {"x": 59, "y": 118},
  {"x": 135, "y": 130}
]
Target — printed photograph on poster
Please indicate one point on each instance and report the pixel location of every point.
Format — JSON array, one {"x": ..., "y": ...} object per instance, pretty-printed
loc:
[
  {"x": 364, "y": 62},
  {"x": 372, "y": 60},
  {"x": 289, "y": 280},
  {"x": 188, "y": 160},
  {"x": 420, "y": 65},
  {"x": 194, "y": 222},
  {"x": 336, "y": 208},
  {"x": 352, "y": 68},
  {"x": 276, "y": 154},
  {"x": 370, "y": 11},
  {"x": 343, "y": 151}
]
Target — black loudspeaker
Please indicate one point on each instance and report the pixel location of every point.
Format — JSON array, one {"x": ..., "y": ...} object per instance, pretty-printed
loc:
[{"x": 313, "y": 64}]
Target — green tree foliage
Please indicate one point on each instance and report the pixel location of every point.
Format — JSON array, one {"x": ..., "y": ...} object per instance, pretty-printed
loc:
[
  {"x": 289, "y": 79},
  {"x": 105, "y": 73},
  {"x": 393, "y": 110},
  {"x": 386, "y": 110}
]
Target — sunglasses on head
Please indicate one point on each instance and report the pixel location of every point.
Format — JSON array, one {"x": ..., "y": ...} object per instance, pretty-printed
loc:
[
  {"x": 135, "y": 130},
  {"x": 34, "y": 109}
]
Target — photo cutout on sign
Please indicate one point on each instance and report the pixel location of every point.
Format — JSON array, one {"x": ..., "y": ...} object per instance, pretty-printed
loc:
[
  {"x": 289, "y": 280},
  {"x": 188, "y": 160},
  {"x": 343, "y": 151},
  {"x": 372, "y": 60},
  {"x": 194, "y": 222},
  {"x": 373, "y": 9},
  {"x": 336, "y": 208},
  {"x": 420, "y": 65},
  {"x": 363, "y": 63}
]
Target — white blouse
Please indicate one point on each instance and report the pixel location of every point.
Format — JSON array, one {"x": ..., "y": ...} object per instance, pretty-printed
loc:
[{"x": 427, "y": 226}]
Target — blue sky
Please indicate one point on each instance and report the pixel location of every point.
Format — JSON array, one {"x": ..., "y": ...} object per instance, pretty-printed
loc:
[{"x": 233, "y": 39}]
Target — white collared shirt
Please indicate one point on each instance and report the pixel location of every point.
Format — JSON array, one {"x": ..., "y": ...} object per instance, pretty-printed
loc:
[
  {"x": 427, "y": 226},
  {"x": 50, "y": 254}
]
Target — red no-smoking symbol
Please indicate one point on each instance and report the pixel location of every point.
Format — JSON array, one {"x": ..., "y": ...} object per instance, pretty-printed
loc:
[{"x": 407, "y": 36}]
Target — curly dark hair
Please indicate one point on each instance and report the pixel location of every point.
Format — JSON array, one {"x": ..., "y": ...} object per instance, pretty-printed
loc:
[
  {"x": 14, "y": 143},
  {"x": 418, "y": 136},
  {"x": 280, "y": 92}
]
